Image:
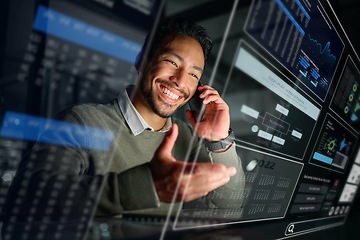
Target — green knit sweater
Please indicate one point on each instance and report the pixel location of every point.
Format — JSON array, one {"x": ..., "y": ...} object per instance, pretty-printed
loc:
[{"x": 111, "y": 182}]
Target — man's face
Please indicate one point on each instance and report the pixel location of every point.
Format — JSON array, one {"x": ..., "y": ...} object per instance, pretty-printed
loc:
[{"x": 171, "y": 78}]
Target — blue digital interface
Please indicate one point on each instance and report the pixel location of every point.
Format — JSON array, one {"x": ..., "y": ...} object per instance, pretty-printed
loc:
[
  {"x": 65, "y": 27},
  {"x": 346, "y": 101},
  {"x": 334, "y": 147},
  {"x": 301, "y": 37},
  {"x": 25, "y": 127}
]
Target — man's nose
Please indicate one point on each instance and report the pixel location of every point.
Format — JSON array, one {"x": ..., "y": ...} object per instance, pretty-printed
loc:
[{"x": 179, "y": 77}]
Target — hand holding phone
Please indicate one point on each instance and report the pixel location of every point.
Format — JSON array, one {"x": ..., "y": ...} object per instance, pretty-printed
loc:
[
  {"x": 196, "y": 104},
  {"x": 209, "y": 114}
]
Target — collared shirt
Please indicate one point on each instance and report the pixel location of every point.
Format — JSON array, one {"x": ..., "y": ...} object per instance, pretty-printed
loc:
[{"x": 132, "y": 117}]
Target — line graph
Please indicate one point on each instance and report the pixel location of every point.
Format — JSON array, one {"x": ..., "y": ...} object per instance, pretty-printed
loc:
[
  {"x": 311, "y": 46},
  {"x": 325, "y": 51}
]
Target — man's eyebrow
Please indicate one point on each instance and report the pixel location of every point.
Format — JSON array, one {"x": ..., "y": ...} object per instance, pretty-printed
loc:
[{"x": 181, "y": 59}]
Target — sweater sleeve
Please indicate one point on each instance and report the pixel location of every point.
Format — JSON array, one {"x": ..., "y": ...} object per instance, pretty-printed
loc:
[
  {"x": 231, "y": 195},
  {"x": 129, "y": 190},
  {"x": 53, "y": 195},
  {"x": 61, "y": 179}
]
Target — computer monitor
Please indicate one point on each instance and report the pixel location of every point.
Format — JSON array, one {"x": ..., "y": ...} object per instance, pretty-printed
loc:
[
  {"x": 56, "y": 54},
  {"x": 287, "y": 70},
  {"x": 289, "y": 73}
]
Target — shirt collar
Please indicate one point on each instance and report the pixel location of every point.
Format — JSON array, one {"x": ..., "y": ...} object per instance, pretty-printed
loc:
[{"x": 132, "y": 117}]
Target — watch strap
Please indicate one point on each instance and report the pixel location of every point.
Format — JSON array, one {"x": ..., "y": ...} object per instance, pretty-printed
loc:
[{"x": 222, "y": 144}]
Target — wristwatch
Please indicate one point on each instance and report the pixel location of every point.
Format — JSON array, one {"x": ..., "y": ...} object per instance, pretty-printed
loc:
[{"x": 222, "y": 144}]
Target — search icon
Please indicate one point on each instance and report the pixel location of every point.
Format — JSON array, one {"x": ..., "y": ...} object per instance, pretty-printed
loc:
[
  {"x": 311, "y": 225},
  {"x": 291, "y": 228}
]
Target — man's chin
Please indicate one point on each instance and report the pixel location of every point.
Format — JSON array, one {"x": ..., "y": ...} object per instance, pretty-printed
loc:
[
  {"x": 165, "y": 109},
  {"x": 165, "y": 113}
]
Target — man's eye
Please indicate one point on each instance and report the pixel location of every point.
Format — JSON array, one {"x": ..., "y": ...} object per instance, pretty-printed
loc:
[
  {"x": 172, "y": 63},
  {"x": 194, "y": 76}
]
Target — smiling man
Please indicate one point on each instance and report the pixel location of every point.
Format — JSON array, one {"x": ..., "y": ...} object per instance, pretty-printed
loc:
[
  {"x": 169, "y": 75},
  {"x": 145, "y": 167}
]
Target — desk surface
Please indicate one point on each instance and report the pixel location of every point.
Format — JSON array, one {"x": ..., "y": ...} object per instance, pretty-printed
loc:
[{"x": 121, "y": 229}]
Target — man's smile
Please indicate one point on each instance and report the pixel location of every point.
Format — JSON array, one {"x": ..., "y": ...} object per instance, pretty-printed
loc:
[{"x": 168, "y": 93}]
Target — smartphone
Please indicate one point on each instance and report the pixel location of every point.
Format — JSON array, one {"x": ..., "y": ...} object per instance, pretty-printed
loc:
[{"x": 196, "y": 104}]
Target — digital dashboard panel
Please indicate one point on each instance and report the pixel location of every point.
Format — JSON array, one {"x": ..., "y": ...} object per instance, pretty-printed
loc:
[
  {"x": 346, "y": 101},
  {"x": 56, "y": 54},
  {"x": 288, "y": 73},
  {"x": 301, "y": 36},
  {"x": 283, "y": 120},
  {"x": 292, "y": 87}
]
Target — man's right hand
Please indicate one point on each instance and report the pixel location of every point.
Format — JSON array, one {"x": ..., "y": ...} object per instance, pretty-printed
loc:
[{"x": 170, "y": 174}]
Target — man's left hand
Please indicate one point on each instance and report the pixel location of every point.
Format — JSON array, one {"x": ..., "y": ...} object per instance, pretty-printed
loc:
[{"x": 215, "y": 122}]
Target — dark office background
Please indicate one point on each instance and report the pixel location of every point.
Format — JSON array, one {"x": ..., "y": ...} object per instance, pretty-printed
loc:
[{"x": 347, "y": 12}]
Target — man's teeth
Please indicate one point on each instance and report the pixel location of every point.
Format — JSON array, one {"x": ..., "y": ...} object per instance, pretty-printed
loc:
[{"x": 170, "y": 94}]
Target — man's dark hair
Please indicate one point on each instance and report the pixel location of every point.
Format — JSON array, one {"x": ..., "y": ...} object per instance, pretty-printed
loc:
[{"x": 171, "y": 28}]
